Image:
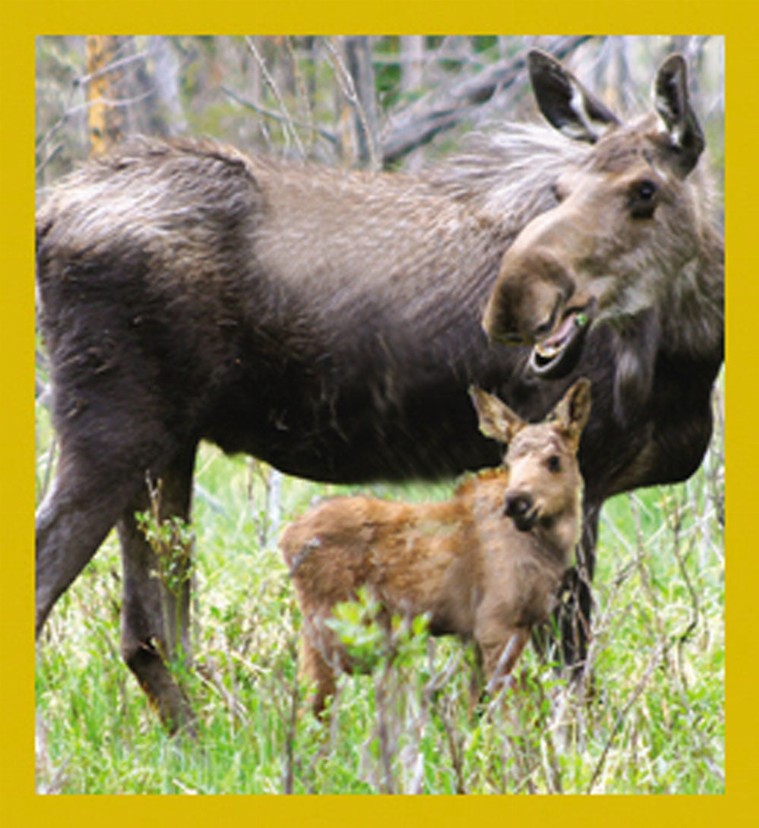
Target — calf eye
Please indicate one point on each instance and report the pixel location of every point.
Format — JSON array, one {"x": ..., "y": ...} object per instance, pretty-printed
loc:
[
  {"x": 646, "y": 190},
  {"x": 554, "y": 463}
]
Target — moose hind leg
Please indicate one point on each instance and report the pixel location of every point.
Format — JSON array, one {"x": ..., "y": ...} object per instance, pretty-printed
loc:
[
  {"x": 156, "y": 607},
  {"x": 71, "y": 523}
]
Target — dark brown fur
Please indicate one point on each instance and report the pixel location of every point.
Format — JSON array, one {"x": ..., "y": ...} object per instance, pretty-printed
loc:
[
  {"x": 330, "y": 323},
  {"x": 484, "y": 565}
]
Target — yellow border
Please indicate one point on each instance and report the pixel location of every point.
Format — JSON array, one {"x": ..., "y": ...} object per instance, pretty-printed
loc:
[{"x": 22, "y": 20}]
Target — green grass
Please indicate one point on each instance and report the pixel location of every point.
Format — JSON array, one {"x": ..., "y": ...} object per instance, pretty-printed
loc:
[{"x": 654, "y": 724}]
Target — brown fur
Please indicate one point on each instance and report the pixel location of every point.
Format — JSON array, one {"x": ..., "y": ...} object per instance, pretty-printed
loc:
[
  {"x": 631, "y": 202},
  {"x": 484, "y": 565},
  {"x": 330, "y": 322}
]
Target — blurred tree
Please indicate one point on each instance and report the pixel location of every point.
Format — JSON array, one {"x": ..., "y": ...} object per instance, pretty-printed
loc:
[
  {"x": 368, "y": 101},
  {"x": 412, "y": 60},
  {"x": 105, "y": 118}
]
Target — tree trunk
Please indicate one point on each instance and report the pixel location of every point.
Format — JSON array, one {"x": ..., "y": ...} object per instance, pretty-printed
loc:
[{"x": 105, "y": 120}]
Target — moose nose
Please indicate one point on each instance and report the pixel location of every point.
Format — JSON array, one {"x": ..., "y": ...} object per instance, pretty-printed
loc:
[{"x": 518, "y": 505}]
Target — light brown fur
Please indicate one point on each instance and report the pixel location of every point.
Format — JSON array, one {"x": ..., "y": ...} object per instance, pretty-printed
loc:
[{"x": 484, "y": 565}]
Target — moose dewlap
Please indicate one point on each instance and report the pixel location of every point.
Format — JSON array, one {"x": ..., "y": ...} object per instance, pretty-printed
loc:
[{"x": 484, "y": 565}]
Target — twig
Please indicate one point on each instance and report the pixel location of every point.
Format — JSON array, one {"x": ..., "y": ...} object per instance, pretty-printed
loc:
[
  {"x": 441, "y": 678},
  {"x": 348, "y": 87},
  {"x": 83, "y": 107},
  {"x": 287, "y": 120},
  {"x": 418, "y": 124},
  {"x": 300, "y": 84},
  {"x": 112, "y": 66},
  {"x": 551, "y": 767},
  {"x": 637, "y": 692},
  {"x": 276, "y": 116},
  {"x": 383, "y": 731},
  {"x": 288, "y": 783},
  {"x": 48, "y": 158},
  {"x": 454, "y": 746},
  {"x": 210, "y": 678}
]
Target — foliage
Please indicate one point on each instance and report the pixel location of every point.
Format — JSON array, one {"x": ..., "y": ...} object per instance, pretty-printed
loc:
[{"x": 651, "y": 720}]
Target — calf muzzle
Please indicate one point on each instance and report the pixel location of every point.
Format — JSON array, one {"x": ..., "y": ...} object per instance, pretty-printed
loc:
[{"x": 520, "y": 507}]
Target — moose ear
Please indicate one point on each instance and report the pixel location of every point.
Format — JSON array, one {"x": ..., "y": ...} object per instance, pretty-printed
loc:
[
  {"x": 573, "y": 409},
  {"x": 673, "y": 105},
  {"x": 565, "y": 102},
  {"x": 497, "y": 420}
]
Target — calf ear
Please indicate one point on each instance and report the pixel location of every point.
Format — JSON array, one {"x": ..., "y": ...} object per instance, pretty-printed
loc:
[
  {"x": 565, "y": 102},
  {"x": 672, "y": 102},
  {"x": 497, "y": 420},
  {"x": 573, "y": 409}
]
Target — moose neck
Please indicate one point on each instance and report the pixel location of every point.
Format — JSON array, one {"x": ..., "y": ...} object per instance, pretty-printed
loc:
[
  {"x": 510, "y": 175},
  {"x": 692, "y": 307}
]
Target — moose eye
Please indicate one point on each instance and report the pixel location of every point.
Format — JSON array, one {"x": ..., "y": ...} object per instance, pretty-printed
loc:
[
  {"x": 643, "y": 198},
  {"x": 554, "y": 463}
]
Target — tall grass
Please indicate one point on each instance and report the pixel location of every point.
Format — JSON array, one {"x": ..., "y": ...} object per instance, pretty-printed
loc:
[{"x": 652, "y": 723}]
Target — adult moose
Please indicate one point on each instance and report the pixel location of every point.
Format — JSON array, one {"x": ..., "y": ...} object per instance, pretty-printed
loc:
[{"x": 330, "y": 323}]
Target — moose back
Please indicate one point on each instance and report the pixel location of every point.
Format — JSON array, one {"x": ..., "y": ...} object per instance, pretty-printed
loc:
[{"x": 330, "y": 323}]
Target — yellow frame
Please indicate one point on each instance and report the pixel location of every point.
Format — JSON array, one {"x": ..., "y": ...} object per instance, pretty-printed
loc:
[{"x": 24, "y": 19}]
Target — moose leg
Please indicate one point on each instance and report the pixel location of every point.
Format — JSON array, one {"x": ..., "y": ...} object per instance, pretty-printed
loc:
[
  {"x": 566, "y": 640},
  {"x": 575, "y": 606},
  {"x": 155, "y": 611},
  {"x": 71, "y": 523}
]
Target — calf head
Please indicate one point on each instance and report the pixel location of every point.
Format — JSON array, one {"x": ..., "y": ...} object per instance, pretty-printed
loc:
[
  {"x": 624, "y": 225},
  {"x": 544, "y": 477}
]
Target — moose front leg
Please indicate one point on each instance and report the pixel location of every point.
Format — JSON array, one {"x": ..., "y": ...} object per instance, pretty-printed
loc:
[
  {"x": 576, "y": 599},
  {"x": 565, "y": 641},
  {"x": 156, "y": 608}
]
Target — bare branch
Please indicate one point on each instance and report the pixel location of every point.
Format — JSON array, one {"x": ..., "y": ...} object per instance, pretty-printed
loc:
[
  {"x": 357, "y": 84},
  {"x": 286, "y": 118},
  {"x": 419, "y": 124},
  {"x": 278, "y": 117},
  {"x": 111, "y": 67}
]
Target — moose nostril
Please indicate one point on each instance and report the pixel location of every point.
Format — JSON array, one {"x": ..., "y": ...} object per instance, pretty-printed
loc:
[{"x": 518, "y": 505}]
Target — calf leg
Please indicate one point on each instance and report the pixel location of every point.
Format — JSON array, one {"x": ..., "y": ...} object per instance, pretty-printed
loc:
[
  {"x": 314, "y": 665},
  {"x": 155, "y": 613},
  {"x": 500, "y": 656}
]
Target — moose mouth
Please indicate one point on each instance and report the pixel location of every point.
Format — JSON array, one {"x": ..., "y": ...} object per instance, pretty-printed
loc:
[{"x": 557, "y": 354}]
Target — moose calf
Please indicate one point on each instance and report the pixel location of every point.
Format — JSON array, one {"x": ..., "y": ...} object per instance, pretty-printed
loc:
[{"x": 485, "y": 564}]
